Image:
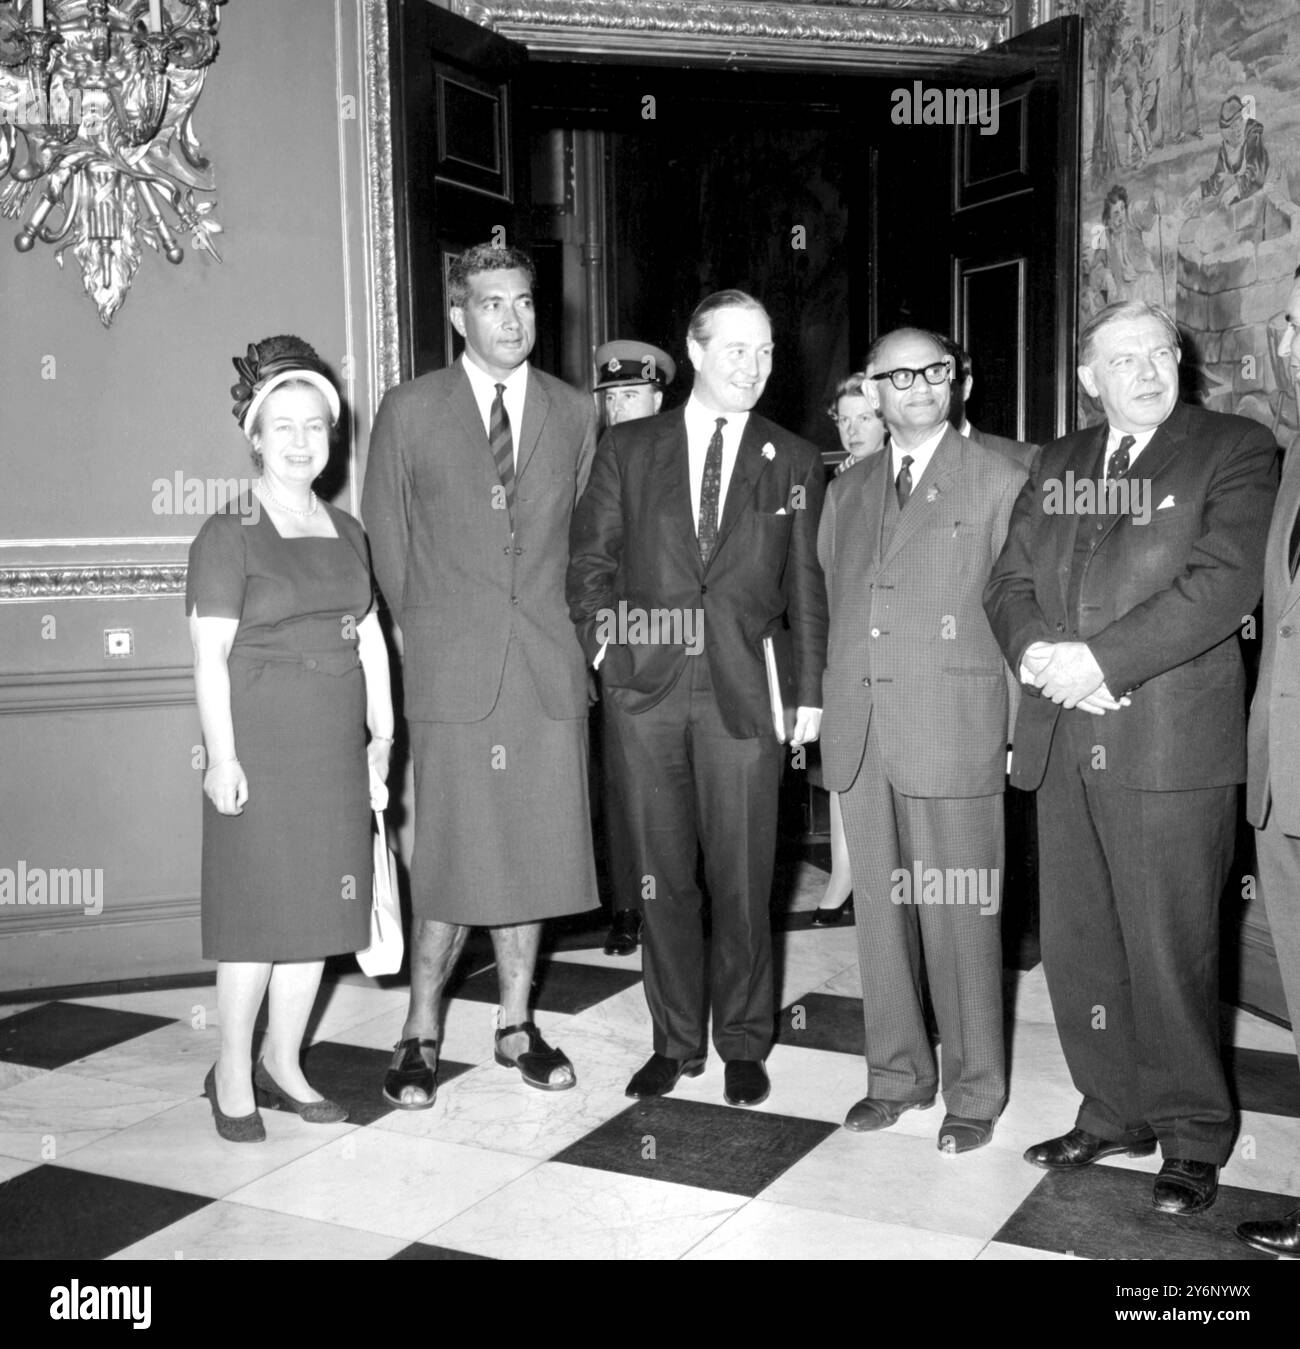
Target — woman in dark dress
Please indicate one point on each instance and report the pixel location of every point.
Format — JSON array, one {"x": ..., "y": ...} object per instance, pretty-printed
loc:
[{"x": 290, "y": 670}]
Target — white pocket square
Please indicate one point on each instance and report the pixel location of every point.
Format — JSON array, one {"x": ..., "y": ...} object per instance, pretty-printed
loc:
[
  {"x": 783, "y": 511},
  {"x": 1165, "y": 504}
]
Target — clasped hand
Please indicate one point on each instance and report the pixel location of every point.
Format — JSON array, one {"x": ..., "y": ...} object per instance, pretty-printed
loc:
[{"x": 1068, "y": 673}]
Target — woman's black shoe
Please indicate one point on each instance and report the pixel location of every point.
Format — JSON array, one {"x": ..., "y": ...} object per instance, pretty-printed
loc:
[{"x": 829, "y": 917}]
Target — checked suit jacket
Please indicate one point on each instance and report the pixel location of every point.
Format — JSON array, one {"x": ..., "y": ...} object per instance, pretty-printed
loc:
[{"x": 912, "y": 659}]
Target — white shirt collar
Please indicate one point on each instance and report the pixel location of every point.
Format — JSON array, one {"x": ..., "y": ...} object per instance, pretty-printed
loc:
[
  {"x": 484, "y": 388},
  {"x": 1140, "y": 442},
  {"x": 920, "y": 456},
  {"x": 700, "y": 420}
]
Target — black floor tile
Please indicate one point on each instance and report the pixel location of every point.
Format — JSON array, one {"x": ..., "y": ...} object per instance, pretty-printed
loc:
[
  {"x": 57, "y": 1033},
  {"x": 716, "y": 1147},
  {"x": 54, "y": 1213},
  {"x": 822, "y": 1021},
  {"x": 803, "y": 920},
  {"x": 560, "y": 986},
  {"x": 417, "y": 1250},
  {"x": 353, "y": 1075},
  {"x": 1261, "y": 1080},
  {"x": 1105, "y": 1213}
]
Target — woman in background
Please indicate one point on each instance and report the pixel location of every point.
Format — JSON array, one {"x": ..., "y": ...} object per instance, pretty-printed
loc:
[
  {"x": 290, "y": 668},
  {"x": 862, "y": 433}
]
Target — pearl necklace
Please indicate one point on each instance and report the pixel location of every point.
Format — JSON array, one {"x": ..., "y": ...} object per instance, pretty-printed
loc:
[{"x": 288, "y": 510}]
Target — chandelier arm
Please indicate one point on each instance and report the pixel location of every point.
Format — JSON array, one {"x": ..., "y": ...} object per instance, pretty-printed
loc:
[{"x": 71, "y": 211}]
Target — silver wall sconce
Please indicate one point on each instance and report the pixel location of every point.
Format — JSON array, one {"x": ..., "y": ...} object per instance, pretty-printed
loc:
[{"x": 97, "y": 145}]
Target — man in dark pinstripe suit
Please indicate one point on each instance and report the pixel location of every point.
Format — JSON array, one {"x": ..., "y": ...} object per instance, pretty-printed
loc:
[{"x": 914, "y": 738}]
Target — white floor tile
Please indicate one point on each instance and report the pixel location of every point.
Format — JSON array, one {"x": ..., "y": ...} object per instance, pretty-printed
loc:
[
  {"x": 49, "y": 1117},
  {"x": 180, "y": 1150},
  {"x": 224, "y": 1231},
  {"x": 765, "y": 1231},
  {"x": 1001, "y": 1250},
  {"x": 908, "y": 1182},
  {"x": 380, "y": 1181},
  {"x": 561, "y": 1212}
]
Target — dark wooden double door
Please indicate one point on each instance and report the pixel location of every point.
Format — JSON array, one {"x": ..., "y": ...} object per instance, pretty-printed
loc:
[{"x": 800, "y": 186}]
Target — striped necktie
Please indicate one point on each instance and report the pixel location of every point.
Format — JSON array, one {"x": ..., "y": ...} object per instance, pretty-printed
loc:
[{"x": 503, "y": 449}]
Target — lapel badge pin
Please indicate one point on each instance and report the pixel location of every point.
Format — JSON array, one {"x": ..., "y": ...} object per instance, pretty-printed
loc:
[{"x": 932, "y": 494}]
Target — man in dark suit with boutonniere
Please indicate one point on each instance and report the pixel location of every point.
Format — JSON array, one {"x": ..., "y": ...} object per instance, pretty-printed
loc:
[
  {"x": 915, "y": 740},
  {"x": 695, "y": 539},
  {"x": 1135, "y": 553},
  {"x": 473, "y": 475}
]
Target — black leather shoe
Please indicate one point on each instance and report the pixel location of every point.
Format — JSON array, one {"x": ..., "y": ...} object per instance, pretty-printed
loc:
[
  {"x": 871, "y": 1113},
  {"x": 746, "y": 1082},
  {"x": 1281, "y": 1236},
  {"x": 958, "y": 1134},
  {"x": 624, "y": 933},
  {"x": 1080, "y": 1148},
  {"x": 1184, "y": 1187},
  {"x": 659, "y": 1074},
  {"x": 829, "y": 917}
]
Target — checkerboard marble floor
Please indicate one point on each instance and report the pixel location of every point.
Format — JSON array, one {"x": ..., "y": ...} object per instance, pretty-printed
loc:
[{"x": 107, "y": 1148}]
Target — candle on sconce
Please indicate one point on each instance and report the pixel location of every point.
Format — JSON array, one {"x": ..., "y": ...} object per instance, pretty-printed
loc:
[
  {"x": 155, "y": 16},
  {"x": 38, "y": 13}
]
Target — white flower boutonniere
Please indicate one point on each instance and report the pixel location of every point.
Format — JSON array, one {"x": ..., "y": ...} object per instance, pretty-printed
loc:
[
  {"x": 768, "y": 451},
  {"x": 932, "y": 494}
]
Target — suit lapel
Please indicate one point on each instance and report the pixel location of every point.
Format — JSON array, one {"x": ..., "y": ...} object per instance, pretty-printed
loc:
[
  {"x": 1087, "y": 462},
  {"x": 749, "y": 467},
  {"x": 672, "y": 467},
  {"x": 537, "y": 404},
  {"x": 466, "y": 409},
  {"x": 944, "y": 466},
  {"x": 1284, "y": 517},
  {"x": 878, "y": 497},
  {"x": 1161, "y": 451}
]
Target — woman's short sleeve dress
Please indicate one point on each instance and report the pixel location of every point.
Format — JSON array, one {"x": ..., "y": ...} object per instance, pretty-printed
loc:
[{"x": 290, "y": 877}]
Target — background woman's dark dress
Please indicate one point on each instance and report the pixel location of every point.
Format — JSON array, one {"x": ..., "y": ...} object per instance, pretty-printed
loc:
[{"x": 289, "y": 878}]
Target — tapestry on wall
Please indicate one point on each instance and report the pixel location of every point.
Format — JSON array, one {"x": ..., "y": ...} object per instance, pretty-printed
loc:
[{"x": 1191, "y": 170}]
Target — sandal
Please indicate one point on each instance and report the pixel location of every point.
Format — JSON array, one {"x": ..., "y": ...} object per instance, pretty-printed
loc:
[
  {"x": 538, "y": 1061},
  {"x": 409, "y": 1069}
]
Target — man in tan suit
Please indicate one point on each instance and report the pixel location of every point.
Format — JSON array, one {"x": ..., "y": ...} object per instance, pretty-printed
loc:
[
  {"x": 1273, "y": 756},
  {"x": 473, "y": 475},
  {"x": 914, "y": 738}
]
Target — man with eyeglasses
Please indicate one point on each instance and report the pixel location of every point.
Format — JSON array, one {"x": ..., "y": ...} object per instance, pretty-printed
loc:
[{"x": 914, "y": 738}]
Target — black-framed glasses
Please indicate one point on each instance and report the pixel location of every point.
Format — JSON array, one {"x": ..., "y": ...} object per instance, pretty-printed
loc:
[{"x": 904, "y": 376}]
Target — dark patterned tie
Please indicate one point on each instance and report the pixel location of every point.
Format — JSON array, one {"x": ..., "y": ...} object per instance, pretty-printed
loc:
[
  {"x": 903, "y": 483},
  {"x": 1118, "y": 465},
  {"x": 503, "y": 449},
  {"x": 710, "y": 492}
]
